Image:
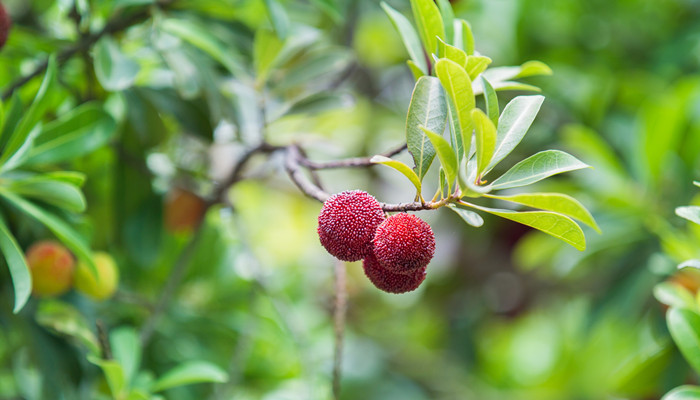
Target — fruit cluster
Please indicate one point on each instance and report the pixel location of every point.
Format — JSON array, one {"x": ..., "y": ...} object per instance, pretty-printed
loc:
[
  {"x": 395, "y": 250},
  {"x": 54, "y": 271}
]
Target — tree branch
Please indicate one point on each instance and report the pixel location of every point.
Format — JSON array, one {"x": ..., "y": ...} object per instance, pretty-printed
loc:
[{"x": 348, "y": 162}]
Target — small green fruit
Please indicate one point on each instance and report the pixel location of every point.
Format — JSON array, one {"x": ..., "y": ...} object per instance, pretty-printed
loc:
[
  {"x": 103, "y": 285},
  {"x": 51, "y": 266}
]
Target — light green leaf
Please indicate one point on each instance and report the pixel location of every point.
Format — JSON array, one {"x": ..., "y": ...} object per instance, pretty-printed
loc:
[
  {"x": 485, "y": 140},
  {"x": 513, "y": 125},
  {"x": 451, "y": 53},
  {"x": 60, "y": 194},
  {"x": 529, "y": 68},
  {"x": 32, "y": 116},
  {"x": 470, "y": 217},
  {"x": 537, "y": 167},
  {"x": 691, "y": 213},
  {"x": 448, "y": 17},
  {"x": 331, "y": 8},
  {"x": 113, "y": 374},
  {"x": 266, "y": 48},
  {"x": 415, "y": 70},
  {"x": 188, "y": 373},
  {"x": 551, "y": 223},
  {"x": 113, "y": 69},
  {"x": 448, "y": 158},
  {"x": 62, "y": 231},
  {"x": 64, "y": 319},
  {"x": 685, "y": 392},
  {"x": 401, "y": 167},
  {"x": 317, "y": 103},
  {"x": 696, "y": 183},
  {"x": 467, "y": 38},
  {"x": 126, "y": 349},
  {"x": 13, "y": 114},
  {"x": 278, "y": 17},
  {"x": 443, "y": 182},
  {"x": 409, "y": 37},
  {"x": 71, "y": 177},
  {"x": 684, "y": 326},
  {"x": 475, "y": 65},
  {"x": 491, "y": 100},
  {"x": 693, "y": 263},
  {"x": 428, "y": 108},
  {"x": 556, "y": 202},
  {"x": 458, "y": 86},
  {"x": 674, "y": 295},
  {"x": 21, "y": 278},
  {"x": 429, "y": 23}
]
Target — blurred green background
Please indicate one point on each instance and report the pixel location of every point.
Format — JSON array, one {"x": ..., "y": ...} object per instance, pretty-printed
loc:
[{"x": 504, "y": 313}]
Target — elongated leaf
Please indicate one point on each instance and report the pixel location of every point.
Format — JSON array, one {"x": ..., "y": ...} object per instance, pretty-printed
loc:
[
  {"x": 429, "y": 23},
  {"x": 696, "y": 183},
  {"x": 401, "y": 167},
  {"x": 448, "y": 18},
  {"x": 691, "y": 213},
  {"x": 72, "y": 177},
  {"x": 467, "y": 37},
  {"x": 60, "y": 194},
  {"x": 114, "y": 374},
  {"x": 126, "y": 349},
  {"x": 537, "y": 167},
  {"x": 188, "y": 373},
  {"x": 409, "y": 37},
  {"x": 452, "y": 53},
  {"x": 529, "y": 68},
  {"x": 458, "y": 86},
  {"x": 470, "y": 217},
  {"x": 491, "y": 100},
  {"x": 266, "y": 48},
  {"x": 556, "y": 202},
  {"x": 32, "y": 116},
  {"x": 551, "y": 223},
  {"x": 685, "y": 392},
  {"x": 513, "y": 125},
  {"x": 684, "y": 326},
  {"x": 278, "y": 17},
  {"x": 13, "y": 114},
  {"x": 64, "y": 319},
  {"x": 475, "y": 65},
  {"x": 447, "y": 155},
  {"x": 674, "y": 295},
  {"x": 485, "y": 140},
  {"x": 113, "y": 69},
  {"x": 693, "y": 263},
  {"x": 22, "y": 153},
  {"x": 415, "y": 70},
  {"x": 428, "y": 108},
  {"x": 62, "y": 231},
  {"x": 21, "y": 278}
]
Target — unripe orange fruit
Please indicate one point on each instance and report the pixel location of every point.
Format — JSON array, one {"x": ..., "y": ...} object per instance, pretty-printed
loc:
[
  {"x": 51, "y": 266},
  {"x": 184, "y": 210},
  {"x": 103, "y": 285}
]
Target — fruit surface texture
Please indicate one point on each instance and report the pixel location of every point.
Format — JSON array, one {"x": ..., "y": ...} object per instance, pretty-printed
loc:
[
  {"x": 51, "y": 266},
  {"x": 404, "y": 243},
  {"x": 391, "y": 282}
]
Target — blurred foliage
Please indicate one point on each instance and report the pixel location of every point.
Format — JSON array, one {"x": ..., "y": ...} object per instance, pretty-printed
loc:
[{"x": 505, "y": 312}]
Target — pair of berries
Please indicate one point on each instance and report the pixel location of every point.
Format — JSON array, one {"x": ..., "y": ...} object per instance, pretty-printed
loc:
[{"x": 395, "y": 250}]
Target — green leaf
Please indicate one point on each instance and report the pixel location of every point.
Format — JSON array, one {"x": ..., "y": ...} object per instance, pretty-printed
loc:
[
  {"x": 448, "y": 158},
  {"x": 674, "y": 295},
  {"x": 330, "y": 7},
  {"x": 429, "y": 23},
  {"x": 113, "y": 69},
  {"x": 491, "y": 100},
  {"x": 691, "y": 213},
  {"x": 470, "y": 217},
  {"x": 537, "y": 167},
  {"x": 458, "y": 86},
  {"x": 556, "y": 202},
  {"x": 685, "y": 392},
  {"x": 266, "y": 48},
  {"x": 485, "y": 140},
  {"x": 448, "y": 17},
  {"x": 278, "y": 17},
  {"x": 513, "y": 125},
  {"x": 317, "y": 103},
  {"x": 76, "y": 133},
  {"x": 71, "y": 177},
  {"x": 188, "y": 373},
  {"x": 64, "y": 319},
  {"x": 126, "y": 349},
  {"x": 451, "y": 53},
  {"x": 32, "y": 116},
  {"x": 114, "y": 374},
  {"x": 62, "y": 231},
  {"x": 684, "y": 326},
  {"x": 551, "y": 223},
  {"x": 409, "y": 37},
  {"x": 415, "y": 70},
  {"x": 467, "y": 37},
  {"x": 696, "y": 183},
  {"x": 21, "y": 278},
  {"x": 428, "y": 108},
  {"x": 401, "y": 167},
  {"x": 60, "y": 194},
  {"x": 13, "y": 114},
  {"x": 529, "y": 68},
  {"x": 475, "y": 65}
]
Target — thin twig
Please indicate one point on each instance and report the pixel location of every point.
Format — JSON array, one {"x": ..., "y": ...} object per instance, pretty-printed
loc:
[
  {"x": 348, "y": 162},
  {"x": 339, "y": 309}
]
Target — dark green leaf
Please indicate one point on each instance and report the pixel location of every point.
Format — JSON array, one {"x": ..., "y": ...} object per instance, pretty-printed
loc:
[
  {"x": 64, "y": 319},
  {"x": 428, "y": 108},
  {"x": 537, "y": 167},
  {"x": 21, "y": 278},
  {"x": 409, "y": 37}
]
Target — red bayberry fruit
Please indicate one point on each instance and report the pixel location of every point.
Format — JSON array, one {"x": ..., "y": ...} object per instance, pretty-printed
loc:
[
  {"x": 347, "y": 223},
  {"x": 404, "y": 243},
  {"x": 390, "y": 282},
  {"x": 5, "y": 23}
]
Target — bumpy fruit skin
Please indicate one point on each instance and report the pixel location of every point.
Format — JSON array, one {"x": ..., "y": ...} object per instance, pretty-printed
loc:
[
  {"x": 5, "y": 23},
  {"x": 184, "y": 210},
  {"x": 404, "y": 243},
  {"x": 102, "y": 286},
  {"x": 390, "y": 282},
  {"x": 347, "y": 223},
  {"x": 51, "y": 266}
]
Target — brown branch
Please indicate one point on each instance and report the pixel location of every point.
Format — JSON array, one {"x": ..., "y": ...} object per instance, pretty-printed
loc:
[
  {"x": 348, "y": 162},
  {"x": 339, "y": 310}
]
